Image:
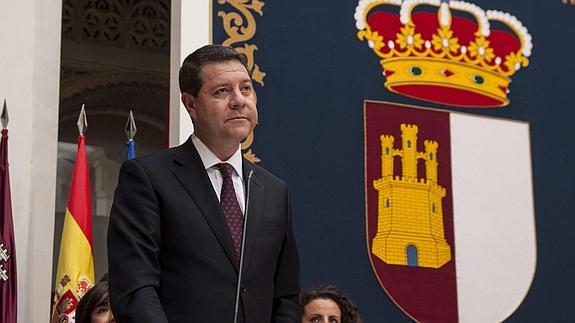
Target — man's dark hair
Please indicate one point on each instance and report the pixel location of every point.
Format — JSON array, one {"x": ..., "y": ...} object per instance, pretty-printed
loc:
[
  {"x": 95, "y": 297},
  {"x": 190, "y": 73},
  {"x": 348, "y": 309}
]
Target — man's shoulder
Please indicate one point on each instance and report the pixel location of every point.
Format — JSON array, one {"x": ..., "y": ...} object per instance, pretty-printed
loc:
[
  {"x": 162, "y": 154},
  {"x": 157, "y": 159},
  {"x": 264, "y": 174}
]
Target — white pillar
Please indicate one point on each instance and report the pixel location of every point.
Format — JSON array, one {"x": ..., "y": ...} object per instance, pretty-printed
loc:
[
  {"x": 191, "y": 27},
  {"x": 30, "y": 65}
]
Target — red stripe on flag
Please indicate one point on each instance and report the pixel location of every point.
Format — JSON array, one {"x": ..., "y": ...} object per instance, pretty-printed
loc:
[{"x": 79, "y": 202}]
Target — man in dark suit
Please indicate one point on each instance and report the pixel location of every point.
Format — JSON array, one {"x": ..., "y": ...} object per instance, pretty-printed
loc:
[{"x": 175, "y": 233}]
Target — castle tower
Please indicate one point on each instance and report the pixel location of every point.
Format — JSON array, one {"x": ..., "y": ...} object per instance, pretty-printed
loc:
[
  {"x": 431, "y": 160},
  {"x": 409, "y": 148},
  {"x": 386, "y": 155},
  {"x": 410, "y": 230}
]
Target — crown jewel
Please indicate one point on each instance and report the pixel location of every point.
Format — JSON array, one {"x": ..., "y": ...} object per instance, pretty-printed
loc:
[{"x": 449, "y": 52}]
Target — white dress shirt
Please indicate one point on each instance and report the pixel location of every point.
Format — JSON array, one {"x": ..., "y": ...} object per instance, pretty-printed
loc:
[{"x": 210, "y": 160}]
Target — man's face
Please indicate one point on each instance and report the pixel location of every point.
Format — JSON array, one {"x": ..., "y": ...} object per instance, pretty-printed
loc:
[{"x": 224, "y": 111}]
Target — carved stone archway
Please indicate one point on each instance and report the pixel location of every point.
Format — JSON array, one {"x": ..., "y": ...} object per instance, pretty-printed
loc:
[{"x": 115, "y": 58}]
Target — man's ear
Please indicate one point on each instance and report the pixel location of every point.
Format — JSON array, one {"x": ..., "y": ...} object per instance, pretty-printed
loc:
[{"x": 189, "y": 102}]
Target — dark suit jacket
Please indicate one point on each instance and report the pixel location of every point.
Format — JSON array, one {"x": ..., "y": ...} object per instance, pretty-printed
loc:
[{"x": 171, "y": 256}]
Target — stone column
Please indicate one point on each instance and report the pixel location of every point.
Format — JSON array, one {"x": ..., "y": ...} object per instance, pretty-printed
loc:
[
  {"x": 30, "y": 65},
  {"x": 191, "y": 28}
]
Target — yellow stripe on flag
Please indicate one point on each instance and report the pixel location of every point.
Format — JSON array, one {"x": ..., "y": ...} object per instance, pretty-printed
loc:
[
  {"x": 76, "y": 262},
  {"x": 75, "y": 252}
]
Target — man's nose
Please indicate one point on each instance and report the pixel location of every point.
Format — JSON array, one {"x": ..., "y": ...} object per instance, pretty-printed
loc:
[{"x": 237, "y": 99}]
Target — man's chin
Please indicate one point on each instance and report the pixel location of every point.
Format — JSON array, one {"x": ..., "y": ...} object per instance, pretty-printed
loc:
[{"x": 240, "y": 135}]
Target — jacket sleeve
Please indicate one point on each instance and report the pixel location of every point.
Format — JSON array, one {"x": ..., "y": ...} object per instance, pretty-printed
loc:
[
  {"x": 134, "y": 239},
  {"x": 286, "y": 281}
]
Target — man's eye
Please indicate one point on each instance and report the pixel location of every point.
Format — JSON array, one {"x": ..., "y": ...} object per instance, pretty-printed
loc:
[
  {"x": 246, "y": 88},
  {"x": 222, "y": 91}
]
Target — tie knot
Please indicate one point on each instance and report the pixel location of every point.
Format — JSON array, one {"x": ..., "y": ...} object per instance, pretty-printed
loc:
[{"x": 225, "y": 169}]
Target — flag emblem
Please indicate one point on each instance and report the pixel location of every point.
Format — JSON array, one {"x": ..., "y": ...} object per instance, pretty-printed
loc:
[{"x": 4, "y": 256}]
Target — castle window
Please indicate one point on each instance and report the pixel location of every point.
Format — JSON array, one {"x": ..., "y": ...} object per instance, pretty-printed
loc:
[
  {"x": 430, "y": 156},
  {"x": 411, "y": 251},
  {"x": 387, "y": 203},
  {"x": 433, "y": 208},
  {"x": 387, "y": 150},
  {"x": 409, "y": 144}
]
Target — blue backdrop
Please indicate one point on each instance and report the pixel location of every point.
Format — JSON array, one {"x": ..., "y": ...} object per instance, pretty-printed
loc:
[{"x": 311, "y": 135}]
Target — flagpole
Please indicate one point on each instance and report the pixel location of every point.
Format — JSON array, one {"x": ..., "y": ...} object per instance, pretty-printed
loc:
[{"x": 130, "y": 131}]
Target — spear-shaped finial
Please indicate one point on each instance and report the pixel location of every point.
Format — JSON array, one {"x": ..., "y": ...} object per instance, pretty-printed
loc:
[
  {"x": 4, "y": 116},
  {"x": 82, "y": 122},
  {"x": 131, "y": 129}
]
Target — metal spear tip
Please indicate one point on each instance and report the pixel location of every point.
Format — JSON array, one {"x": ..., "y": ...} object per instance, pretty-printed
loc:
[
  {"x": 82, "y": 121},
  {"x": 131, "y": 129},
  {"x": 4, "y": 116}
]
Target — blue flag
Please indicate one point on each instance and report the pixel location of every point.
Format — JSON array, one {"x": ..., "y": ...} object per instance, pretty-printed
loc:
[{"x": 131, "y": 145}]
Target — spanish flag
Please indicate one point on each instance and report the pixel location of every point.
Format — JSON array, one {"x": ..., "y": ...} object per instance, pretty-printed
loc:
[{"x": 76, "y": 262}]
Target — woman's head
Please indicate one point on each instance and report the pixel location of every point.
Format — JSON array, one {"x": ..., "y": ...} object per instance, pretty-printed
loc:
[
  {"x": 327, "y": 304},
  {"x": 94, "y": 307}
]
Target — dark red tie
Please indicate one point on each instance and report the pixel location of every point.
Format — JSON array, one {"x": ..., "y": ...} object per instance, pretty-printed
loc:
[{"x": 230, "y": 206}]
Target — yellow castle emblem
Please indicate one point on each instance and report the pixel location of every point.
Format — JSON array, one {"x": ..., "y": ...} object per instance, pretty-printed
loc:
[{"x": 410, "y": 228}]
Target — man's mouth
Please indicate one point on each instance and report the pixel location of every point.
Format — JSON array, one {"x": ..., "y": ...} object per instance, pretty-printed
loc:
[{"x": 237, "y": 118}]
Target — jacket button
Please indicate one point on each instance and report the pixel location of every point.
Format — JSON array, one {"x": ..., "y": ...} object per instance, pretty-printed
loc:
[{"x": 243, "y": 289}]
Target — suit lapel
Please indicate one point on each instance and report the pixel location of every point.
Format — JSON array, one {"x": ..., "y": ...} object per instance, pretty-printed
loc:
[
  {"x": 192, "y": 175},
  {"x": 254, "y": 207}
]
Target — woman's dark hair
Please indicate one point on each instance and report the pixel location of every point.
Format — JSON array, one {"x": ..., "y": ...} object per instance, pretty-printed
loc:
[
  {"x": 190, "y": 77},
  {"x": 95, "y": 297},
  {"x": 349, "y": 313}
]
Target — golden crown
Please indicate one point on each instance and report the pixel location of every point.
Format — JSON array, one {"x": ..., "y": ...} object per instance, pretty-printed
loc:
[{"x": 448, "y": 52}]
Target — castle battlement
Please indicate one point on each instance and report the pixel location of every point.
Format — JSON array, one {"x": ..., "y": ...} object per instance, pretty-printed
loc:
[
  {"x": 406, "y": 127},
  {"x": 409, "y": 130},
  {"x": 410, "y": 182},
  {"x": 386, "y": 138},
  {"x": 409, "y": 154},
  {"x": 430, "y": 144}
]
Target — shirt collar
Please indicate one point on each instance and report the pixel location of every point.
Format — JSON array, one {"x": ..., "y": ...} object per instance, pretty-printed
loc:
[{"x": 209, "y": 159}]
